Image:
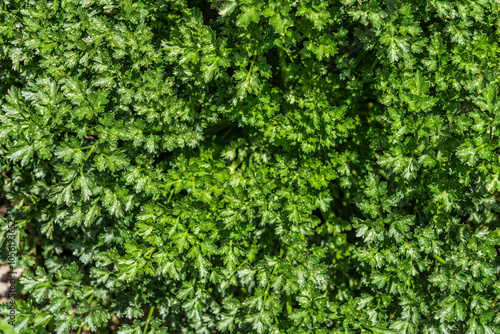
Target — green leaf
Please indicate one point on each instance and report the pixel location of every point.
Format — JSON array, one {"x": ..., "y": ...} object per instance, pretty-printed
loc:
[
  {"x": 6, "y": 328},
  {"x": 23, "y": 153},
  {"x": 227, "y": 7},
  {"x": 247, "y": 15}
]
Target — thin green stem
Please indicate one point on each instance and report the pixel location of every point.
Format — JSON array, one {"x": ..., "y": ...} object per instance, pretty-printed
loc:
[
  {"x": 88, "y": 293},
  {"x": 170, "y": 196},
  {"x": 88, "y": 156},
  {"x": 149, "y": 317},
  {"x": 282, "y": 252},
  {"x": 441, "y": 260},
  {"x": 91, "y": 150},
  {"x": 373, "y": 65}
]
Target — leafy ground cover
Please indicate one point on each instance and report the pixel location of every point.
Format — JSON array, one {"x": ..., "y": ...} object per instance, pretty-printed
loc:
[{"x": 252, "y": 166}]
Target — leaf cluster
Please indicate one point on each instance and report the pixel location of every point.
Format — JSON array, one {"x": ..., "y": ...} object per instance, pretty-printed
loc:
[{"x": 253, "y": 166}]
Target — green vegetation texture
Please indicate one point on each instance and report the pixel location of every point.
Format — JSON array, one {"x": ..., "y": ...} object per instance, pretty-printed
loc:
[{"x": 251, "y": 166}]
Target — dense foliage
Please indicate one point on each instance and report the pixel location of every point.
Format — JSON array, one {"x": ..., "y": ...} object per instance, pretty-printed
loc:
[{"x": 253, "y": 166}]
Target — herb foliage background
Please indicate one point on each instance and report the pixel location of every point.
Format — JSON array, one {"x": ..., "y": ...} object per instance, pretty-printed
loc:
[{"x": 253, "y": 166}]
